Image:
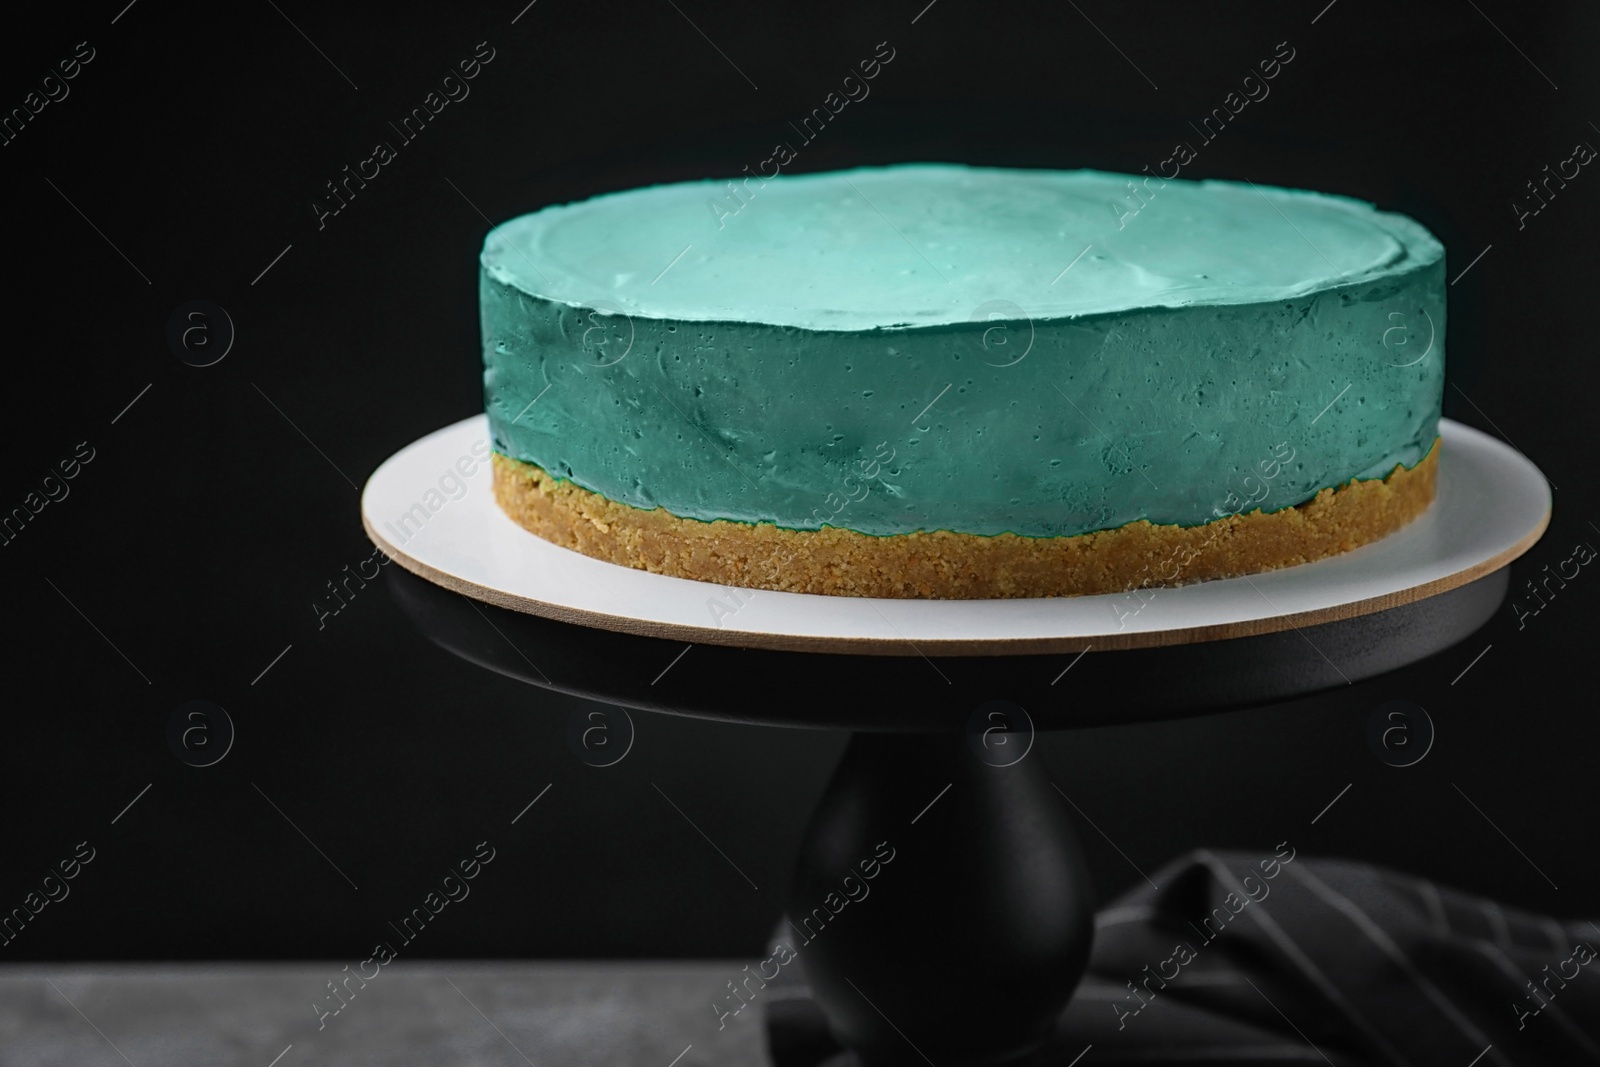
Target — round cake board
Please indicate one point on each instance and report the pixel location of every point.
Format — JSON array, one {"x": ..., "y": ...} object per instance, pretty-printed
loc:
[{"x": 431, "y": 508}]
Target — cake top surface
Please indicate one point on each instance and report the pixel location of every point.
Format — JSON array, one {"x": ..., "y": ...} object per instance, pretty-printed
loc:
[{"x": 937, "y": 244}]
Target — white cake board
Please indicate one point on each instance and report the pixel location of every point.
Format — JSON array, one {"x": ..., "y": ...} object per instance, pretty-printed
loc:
[{"x": 1492, "y": 505}]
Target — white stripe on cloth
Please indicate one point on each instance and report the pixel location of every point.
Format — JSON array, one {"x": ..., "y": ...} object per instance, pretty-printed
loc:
[
  {"x": 1497, "y": 923},
  {"x": 1435, "y": 904},
  {"x": 1297, "y": 956},
  {"x": 1374, "y": 933},
  {"x": 1511, "y": 971},
  {"x": 1133, "y": 913},
  {"x": 1226, "y": 1053}
]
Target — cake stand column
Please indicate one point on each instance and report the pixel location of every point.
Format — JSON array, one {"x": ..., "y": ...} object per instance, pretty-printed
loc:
[{"x": 940, "y": 904}]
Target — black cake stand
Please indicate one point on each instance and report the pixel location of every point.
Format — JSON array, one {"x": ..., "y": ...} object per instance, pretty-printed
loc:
[{"x": 942, "y": 699}]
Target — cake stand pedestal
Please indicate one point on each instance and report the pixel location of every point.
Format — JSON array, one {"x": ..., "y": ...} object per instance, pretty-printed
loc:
[{"x": 940, "y": 907}]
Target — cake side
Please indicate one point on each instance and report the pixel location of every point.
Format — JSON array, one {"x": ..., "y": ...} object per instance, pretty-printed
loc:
[
  {"x": 810, "y": 364},
  {"x": 949, "y": 565},
  {"x": 1061, "y": 428},
  {"x": 1026, "y": 384}
]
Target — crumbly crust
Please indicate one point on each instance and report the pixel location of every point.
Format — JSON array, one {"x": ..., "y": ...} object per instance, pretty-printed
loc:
[{"x": 945, "y": 565}]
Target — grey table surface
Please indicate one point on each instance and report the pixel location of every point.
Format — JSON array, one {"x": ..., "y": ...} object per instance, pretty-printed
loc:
[{"x": 652, "y": 1014}]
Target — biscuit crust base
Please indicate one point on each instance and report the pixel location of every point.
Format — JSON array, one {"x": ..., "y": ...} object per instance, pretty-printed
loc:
[{"x": 942, "y": 565}]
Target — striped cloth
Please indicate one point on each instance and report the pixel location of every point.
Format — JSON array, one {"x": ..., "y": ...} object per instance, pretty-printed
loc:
[{"x": 1322, "y": 962}]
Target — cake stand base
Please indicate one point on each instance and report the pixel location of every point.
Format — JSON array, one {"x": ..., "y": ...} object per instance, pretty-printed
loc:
[
  {"x": 940, "y": 909},
  {"x": 976, "y": 925},
  {"x": 965, "y": 948}
]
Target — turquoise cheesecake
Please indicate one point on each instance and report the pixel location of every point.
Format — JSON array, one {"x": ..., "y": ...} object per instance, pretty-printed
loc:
[{"x": 937, "y": 380}]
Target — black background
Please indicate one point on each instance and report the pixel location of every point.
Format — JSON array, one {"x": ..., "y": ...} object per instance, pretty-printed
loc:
[{"x": 192, "y": 548}]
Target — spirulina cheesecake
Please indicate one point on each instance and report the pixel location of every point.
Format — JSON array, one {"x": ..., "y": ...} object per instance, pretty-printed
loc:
[{"x": 944, "y": 381}]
